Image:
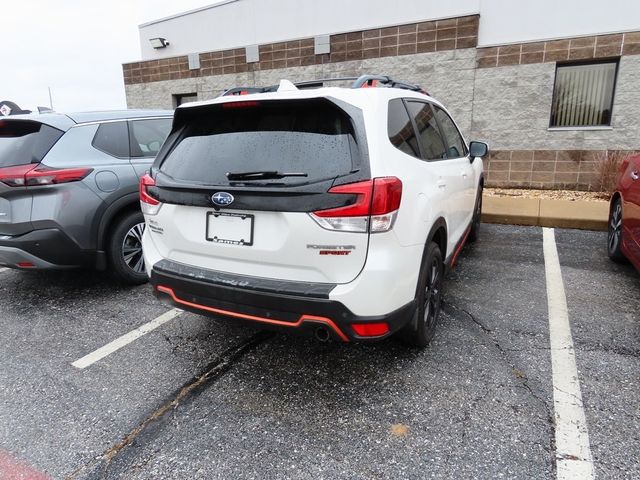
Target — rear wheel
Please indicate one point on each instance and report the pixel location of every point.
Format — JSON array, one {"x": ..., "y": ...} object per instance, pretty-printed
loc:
[
  {"x": 474, "y": 232},
  {"x": 421, "y": 329},
  {"x": 125, "y": 250},
  {"x": 614, "y": 237}
]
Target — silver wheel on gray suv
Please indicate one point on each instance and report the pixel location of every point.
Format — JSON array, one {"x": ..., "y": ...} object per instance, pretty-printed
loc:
[{"x": 132, "y": 248}]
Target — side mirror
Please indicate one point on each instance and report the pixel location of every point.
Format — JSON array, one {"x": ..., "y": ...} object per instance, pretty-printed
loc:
[{"x": 478, "y": 149}]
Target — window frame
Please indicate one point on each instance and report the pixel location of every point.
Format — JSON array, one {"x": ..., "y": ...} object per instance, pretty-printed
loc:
[
  {"x": 131, "y": 136},
  {"x": 416, "y": 130},
  {"x": 126, "y": 126},
  {"x": 413, "y": 127},
  {"x": 465, "y": 152},
  {"x": 179, "y": 97},
  {"x": 578, "y": 63}
]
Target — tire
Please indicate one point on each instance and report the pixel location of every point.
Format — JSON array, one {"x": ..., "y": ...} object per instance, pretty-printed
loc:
[
  {"x": 474, "y": 233},
  {"x": 124, "y": 250},
  {"x": 420, "y": 330},
  {"x": 614, "y": 236}
]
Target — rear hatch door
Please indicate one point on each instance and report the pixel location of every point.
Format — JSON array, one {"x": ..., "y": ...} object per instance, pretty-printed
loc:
[
  {"x": 239, "y": 181},
  {"x": 23, "y": 144}
]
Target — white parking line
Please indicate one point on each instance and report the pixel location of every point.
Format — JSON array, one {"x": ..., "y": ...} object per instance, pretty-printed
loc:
[
  {"x": 573, "y": 454},
  {"x": 125, "y": 339},
  {"x": 3, "y": 269}
]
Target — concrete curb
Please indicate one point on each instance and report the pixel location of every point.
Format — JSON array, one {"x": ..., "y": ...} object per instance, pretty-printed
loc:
[{"x": 544, "y": 212}]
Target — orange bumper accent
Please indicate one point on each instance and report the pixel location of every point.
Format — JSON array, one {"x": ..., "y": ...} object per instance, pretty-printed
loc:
[{"x": 281, "y": 323}]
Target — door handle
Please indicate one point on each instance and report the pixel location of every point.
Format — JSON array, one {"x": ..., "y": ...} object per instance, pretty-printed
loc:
[
  {"x": 441, "y": 184},
  {"x": 634, "y": 175},
  {"x": 464, "y": 174}
]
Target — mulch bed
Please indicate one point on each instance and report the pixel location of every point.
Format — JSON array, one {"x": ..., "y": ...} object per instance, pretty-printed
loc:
[{"x": 547, "y": 194}]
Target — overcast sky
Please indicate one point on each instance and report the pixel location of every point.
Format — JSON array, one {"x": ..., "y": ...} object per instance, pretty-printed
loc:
[{"x": 76, "y": 47}]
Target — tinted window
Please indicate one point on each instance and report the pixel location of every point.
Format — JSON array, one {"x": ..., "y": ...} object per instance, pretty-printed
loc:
[
  {"x": 428, "y": 133},
  {"x": 112, "y": 138},
  {"x": 583, "y": 94},
  {"x": 400, "y": 129},
  {"x": 147, "y": 136},
  {"x": 312, "y": 137},
  {"x": 23, "y": 142},
  {"x": 454, "y": 143}
]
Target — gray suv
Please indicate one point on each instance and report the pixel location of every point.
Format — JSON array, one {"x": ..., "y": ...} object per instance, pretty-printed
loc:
[{"x": 69, "y": 189}]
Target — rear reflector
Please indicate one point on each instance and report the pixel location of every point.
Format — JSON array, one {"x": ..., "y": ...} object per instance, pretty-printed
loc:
[
  {"x": 25, "y": 265},
  {"x": 32, "y": 175},
  {"x": 375, "y": 208},
  {"x": 370, "y": 329},
  {"x": 148, "y": 204}
]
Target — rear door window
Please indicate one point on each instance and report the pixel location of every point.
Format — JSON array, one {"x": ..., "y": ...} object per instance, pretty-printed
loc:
[
  {"x": 23, "y": 141},
  {"x": 400, "y": 129},
  {"x": 454, "y": 142},
  {"x": 146, "y": 136},
  {"x": 313, "y": 137},
  {"x": 433, "y": 147},
  {"x": 112, "y": 138}
]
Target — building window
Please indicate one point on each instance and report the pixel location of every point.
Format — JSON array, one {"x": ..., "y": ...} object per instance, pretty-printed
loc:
[
  {"x": 583, "y": 94},
  {"x": 181, "y": 98}
]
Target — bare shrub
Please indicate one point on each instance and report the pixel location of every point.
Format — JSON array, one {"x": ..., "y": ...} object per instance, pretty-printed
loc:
[{"x": 607, "y": 165}]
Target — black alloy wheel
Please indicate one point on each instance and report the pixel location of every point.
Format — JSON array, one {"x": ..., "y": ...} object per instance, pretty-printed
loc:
[
  {"x": 421, "y": 329},
  {"x": 614, "y": 237},
  {"x": 474, "y": 232}
]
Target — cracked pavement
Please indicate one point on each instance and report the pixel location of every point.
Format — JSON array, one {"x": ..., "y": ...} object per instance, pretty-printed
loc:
[{"x": 203, "y": 398}]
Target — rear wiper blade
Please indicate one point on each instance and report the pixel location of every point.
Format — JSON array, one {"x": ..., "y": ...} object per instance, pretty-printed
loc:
[{"x": 263, "y": 175}]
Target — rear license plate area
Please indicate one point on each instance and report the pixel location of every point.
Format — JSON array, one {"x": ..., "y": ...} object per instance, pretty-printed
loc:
[{"x": 230, "y": 228}]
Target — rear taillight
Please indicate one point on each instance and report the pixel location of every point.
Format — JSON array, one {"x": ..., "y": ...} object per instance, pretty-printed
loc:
[
  {"x": 374, "y": 210},
  {"x": 32, "y": 175},
  {"x": 15, "y": 176},
  {"x": 148, "y": 204}
]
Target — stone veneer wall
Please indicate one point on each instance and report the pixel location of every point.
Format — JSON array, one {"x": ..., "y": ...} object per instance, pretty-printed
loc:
[{"x": 501, "y": 94}]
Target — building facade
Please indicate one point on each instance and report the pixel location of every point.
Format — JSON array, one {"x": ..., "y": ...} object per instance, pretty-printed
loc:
[{"x": 552, "y": 86}]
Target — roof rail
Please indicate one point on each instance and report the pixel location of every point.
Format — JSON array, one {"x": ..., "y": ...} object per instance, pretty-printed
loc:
[{"x": 363, "y": 81}]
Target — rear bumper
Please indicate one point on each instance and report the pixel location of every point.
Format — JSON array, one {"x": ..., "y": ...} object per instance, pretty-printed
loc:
[
  {"x": 43, "y": 249},
  {"x": 301, "y": 307}
]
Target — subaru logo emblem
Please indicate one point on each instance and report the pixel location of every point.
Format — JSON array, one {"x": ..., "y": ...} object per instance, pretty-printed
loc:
[{"x": 222, "y": 199}]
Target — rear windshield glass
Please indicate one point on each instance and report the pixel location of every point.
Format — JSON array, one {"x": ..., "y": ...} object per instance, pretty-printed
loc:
[
  {"x": 313, "y": 137},
  {"x": 23, "y": 142}
]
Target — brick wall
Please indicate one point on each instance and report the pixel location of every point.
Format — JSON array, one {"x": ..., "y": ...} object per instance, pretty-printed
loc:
[
  {"x": 434, "y": 36},
  {"x": 582, "y": 48},
  {"x": 546, "y": 169}
]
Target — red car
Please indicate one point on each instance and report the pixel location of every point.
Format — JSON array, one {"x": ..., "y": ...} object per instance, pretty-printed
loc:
[{"x": 624, "y": 214}]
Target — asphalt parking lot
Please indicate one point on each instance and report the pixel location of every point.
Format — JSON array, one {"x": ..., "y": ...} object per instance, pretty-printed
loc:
[{"x": 202, "y": 398}]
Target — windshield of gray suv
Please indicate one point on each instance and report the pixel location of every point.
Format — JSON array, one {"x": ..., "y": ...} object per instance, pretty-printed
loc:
[
  {"x": 24, "y": 141},
  {"x": 313, "y": 139}
]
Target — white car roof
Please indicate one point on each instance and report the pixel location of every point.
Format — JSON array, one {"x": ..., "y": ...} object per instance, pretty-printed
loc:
[{"x": 360, "y": 97}]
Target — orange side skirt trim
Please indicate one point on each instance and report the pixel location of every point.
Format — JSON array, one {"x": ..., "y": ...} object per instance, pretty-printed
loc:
[{"x": 454, "y": 259}]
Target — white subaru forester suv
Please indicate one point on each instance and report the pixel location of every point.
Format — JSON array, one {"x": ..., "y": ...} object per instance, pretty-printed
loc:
[{"x": 331, "y": 210}]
